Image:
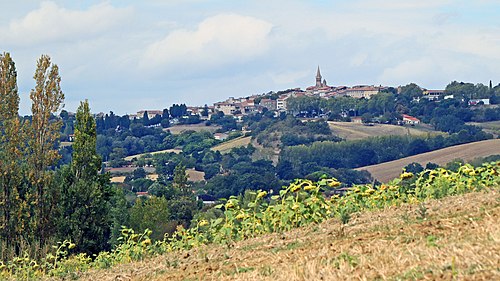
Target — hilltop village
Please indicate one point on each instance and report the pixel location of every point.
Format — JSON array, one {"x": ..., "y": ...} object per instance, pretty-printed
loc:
[{"x": 277, "y": 101}]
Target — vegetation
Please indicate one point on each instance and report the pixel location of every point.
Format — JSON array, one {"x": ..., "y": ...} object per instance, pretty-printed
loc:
[{"x": 299, "y": 204}]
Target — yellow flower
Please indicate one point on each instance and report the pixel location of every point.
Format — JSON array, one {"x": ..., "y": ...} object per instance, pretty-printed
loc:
[
  {"x": 309, "y": 187},
  {"x": 406, "y": 175},
  {"x": 240, "y": 216},
  {"x": 203, "y": 223},
  {"x": 261, "y": 194},
  {"x": 146, "y": 242},
  {"x": 294, "y": 187}
]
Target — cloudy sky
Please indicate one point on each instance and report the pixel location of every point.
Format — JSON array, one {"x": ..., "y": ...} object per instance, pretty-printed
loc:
[{"x": 126, "y": 55}]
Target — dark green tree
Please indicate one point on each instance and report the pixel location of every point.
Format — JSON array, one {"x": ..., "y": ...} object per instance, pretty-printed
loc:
[
  {"x": 181, "y": 178},
  {"x": 85, "y": 194}
]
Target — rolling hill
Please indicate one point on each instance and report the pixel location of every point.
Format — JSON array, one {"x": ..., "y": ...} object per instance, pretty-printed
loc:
[
  {"x": 390, "y": 170},
  {"x": 356, "y": 131}
]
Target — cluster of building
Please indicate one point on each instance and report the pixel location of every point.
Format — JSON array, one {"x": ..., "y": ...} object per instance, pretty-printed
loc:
[{"x": 238, "y": 107}]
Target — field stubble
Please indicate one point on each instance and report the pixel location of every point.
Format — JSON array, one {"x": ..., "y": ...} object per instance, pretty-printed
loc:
[{"x": 456, "y": 237}]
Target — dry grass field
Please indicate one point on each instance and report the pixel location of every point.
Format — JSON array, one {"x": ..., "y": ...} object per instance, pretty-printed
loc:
[
  {"x": 456, "y": 238},
  {"x": 390, "y": 170},
  {"x": 195, "y": 176},
  {"x": 177, "y": 129},
  {"x": 174, "y": 150},
  {"x": 225, "y": 147},
  {"x": 356, "y": 131}
]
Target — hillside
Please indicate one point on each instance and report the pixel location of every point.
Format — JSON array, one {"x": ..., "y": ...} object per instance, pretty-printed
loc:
[
  {"x": 137, "y": 156},
  {"x": 228, "y": 145},
  {"x": 389, "y": 170},
  {"x": 356, "y": 131},
  {"x": 492, "y": 127},
  {"x": 177, "y": 129},
  {"x": 456, "y": 237}
]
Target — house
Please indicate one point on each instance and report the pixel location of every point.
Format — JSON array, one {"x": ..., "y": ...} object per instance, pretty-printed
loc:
[
  {"x": 269, "y": 104},
  {"x": 142, "y": 194},
  {"x": 407, "y": 119},
  {"x": 281, "y": 102},
  {"x": 479, "y": 101},
  {"x": 360, "y": 91},
  {"x": 432, "y": 95},
  {"x": 207, "y": 199},
  {"x": 151, "y": 113},
  {"x": 220, "y": 136},
  {"x": 228, "y": 107}
]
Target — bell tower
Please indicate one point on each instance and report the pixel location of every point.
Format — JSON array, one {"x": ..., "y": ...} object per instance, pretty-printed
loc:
[{"x": 318, "y": 79}]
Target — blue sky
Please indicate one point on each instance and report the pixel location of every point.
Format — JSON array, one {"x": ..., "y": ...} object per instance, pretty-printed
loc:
[{"x": 126, "y": 56}]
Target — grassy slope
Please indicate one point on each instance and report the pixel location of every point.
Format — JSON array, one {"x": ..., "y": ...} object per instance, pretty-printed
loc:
[
  {"x": 174, "y": 150},
  {"x": 177, "y": 129},
  {"x": 390, "y": 170},
  {"x": 356, "y": 131},
  {"x": 225, "y": 147},
  {"x": 453, "y": 237}
]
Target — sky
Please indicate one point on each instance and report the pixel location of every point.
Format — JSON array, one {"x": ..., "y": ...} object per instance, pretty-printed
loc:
[{"x": 125, "y": 56}]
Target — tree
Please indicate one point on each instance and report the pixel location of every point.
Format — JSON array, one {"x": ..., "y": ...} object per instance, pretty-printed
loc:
[
  {"x": 85, "y": 193},
  {"x": 180, "y": 178},
  {"x": 47, "y": 98},
  {"x": 145, "y": 118},
  {"x": 165, "y": 114},
  {"x": 11, "y": 151}
]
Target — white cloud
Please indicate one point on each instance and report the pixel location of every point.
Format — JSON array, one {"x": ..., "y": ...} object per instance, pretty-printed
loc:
[
  {"x": 289, "y": 77},
  {"x": 51, "y": 23},
  {"x": 217, "y": 40}
]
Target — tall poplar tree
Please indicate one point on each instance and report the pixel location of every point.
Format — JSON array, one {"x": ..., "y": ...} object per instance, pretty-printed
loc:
[
  {"x": 85, "y": 194},
  {"x": 11, "y": 151},
  {"x": 47, "y": 99}
]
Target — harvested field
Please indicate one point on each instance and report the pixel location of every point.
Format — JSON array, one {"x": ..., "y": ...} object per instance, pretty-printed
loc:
[
  {"x": 177, "y": 129},
  {"x": 125, "y": 170},
  {"x": 390, "y": 170},
  {"x": 356, "y": 131},
  {"x": 225, "y": 147},
  {"x": 456, "y": 239},
  {"x": 174, "y": 150},
  {"x": 195, "y": 176}
]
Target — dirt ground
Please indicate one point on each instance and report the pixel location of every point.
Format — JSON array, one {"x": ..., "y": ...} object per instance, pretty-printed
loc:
[
  {"x": 457, "y": 238},
  {"x": 390, "y": 170}
]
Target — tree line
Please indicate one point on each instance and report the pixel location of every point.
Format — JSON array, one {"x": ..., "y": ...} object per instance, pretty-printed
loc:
[{"x": 40, "y": 203}]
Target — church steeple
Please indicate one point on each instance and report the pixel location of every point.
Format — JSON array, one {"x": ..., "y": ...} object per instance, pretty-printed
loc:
[{"x": 318, "y": 78}]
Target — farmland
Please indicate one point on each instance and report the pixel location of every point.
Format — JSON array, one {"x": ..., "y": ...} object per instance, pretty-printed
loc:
[
  {"x": 451, "y": 240},
  {"x": 137, "y": 156},
  {"x": 356, "y": 131},
  {"x": 225, "y": 147},
  {"x": 389, "y": 170},
  {"x": 177, "y": 129}
]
